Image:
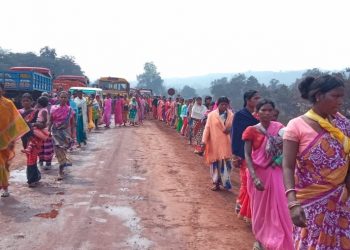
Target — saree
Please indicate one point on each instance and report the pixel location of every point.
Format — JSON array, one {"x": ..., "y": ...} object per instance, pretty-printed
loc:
[
  {"x": 271, "y": 222},
  {"x": 218, "y": 147},
  {"x": 81, "y": 134},
  {"x": 125, "y": 111},
  {"x": 320, "y": 173},
  {"x": 241, "y": 121},
  {"x": 91, "y": 123},
  {"x": 12, "y": 127},
  {"x": 107, "y": 112},
  {"x": 133, "y": 111},
  {"x": 61, "y": 131},
  {"x": 118, "y": 112},
  {"x": 32, "y": 146}
]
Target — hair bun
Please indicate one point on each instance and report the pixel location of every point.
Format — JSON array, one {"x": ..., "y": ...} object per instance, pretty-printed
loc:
[{"x": 304, "y": 86}]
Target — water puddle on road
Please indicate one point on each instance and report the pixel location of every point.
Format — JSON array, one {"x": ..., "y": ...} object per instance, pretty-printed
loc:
[
  {"x": 18, "y": 175},
  {"x": 131, "y": 221}
]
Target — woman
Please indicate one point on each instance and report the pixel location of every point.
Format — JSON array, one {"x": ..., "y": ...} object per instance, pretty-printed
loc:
[
  {"x": 118, "y": 111},
  {"x": 36, "y": 120},
  {"x": 46, "y": 153},
  {"x": 198, "y": 112},
  {"x": 81, "y": 118},
  {"x": 91, "y": 123},
  {"x": 216, "y": 138},
  {"x": 125, "y": 110},
  {"x": 12, "y": 127},
  {"x": 184, "y": 111},
  {"x": 271, "y": 224},
  {"x": 96, "y": 111},
  {"x": 243, "y": 119},
  {"x": 62, "y": 126},
  {"x": 316, "y": 167},
  {"x": 133, "y": 111},
  {"x": 107, "y": 112},
  {"x": 179, "y": 110}
]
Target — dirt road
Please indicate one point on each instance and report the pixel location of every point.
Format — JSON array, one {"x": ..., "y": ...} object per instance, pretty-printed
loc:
[{"x": 129, "y": 188}]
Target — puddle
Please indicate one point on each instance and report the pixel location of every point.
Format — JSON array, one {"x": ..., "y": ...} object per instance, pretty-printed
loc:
[
  {"x": 131, "y": 221},
  {"x": 107, "y": 196},
  {"x": 124, "y": 189},
  {"x": 18, "y": 176},
  {"x": 135, "y": 178},
  {"x": 100, "y": 220}
]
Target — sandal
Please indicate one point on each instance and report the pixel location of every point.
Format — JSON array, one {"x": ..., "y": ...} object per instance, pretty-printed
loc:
[
  {"x": 257, "y": 246},
  {"x": 215, "y": 188},
  {"x": 5, "y": 194}
]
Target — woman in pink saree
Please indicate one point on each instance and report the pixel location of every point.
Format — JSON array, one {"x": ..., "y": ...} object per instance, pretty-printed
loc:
[
  {"x": 107, "y": 112},
  {"x": 271, "y": 223},
  {"x": 118, "y": 111}
]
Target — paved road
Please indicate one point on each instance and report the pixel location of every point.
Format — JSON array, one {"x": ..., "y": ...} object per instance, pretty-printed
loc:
[{"x": 129, "y": 188}]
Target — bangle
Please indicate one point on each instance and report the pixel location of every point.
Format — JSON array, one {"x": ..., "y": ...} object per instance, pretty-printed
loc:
[
  {"x": 290, "y": 190},
  {"x": 293, "y": 204}
]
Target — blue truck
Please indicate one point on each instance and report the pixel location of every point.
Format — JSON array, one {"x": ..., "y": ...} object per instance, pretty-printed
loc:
[{"x": 20, "y": 80}]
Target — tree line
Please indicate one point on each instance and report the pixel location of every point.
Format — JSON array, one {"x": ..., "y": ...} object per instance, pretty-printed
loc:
[
  {"x": 47, "y": 58},
  {"x": 286, "y": 98}
]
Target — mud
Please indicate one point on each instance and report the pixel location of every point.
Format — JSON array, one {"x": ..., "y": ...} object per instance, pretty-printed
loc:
[{"x": 129, "y": 188}]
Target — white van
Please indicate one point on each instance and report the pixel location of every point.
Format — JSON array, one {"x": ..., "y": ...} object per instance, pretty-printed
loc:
[{"x": 87, "y": 90}]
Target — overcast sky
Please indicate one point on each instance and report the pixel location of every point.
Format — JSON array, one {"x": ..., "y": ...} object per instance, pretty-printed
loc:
[{"x": 182, "y": 37}]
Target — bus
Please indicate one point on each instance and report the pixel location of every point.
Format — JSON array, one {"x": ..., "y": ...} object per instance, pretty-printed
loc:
[{"x": 114, "y": 86}]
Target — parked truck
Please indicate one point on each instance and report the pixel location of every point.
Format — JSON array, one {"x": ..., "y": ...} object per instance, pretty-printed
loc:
[
  {"x": 65, "y": 82},
  {"x": 20, "y": 80}
]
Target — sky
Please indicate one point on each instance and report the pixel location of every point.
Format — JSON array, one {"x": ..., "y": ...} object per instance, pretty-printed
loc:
[{"x": 183, "y": 37}]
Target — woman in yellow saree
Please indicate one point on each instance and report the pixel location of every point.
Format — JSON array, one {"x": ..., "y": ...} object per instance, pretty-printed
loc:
[
  {"x": 316, "y": 167},
  {"x": 12, "y": 127}
]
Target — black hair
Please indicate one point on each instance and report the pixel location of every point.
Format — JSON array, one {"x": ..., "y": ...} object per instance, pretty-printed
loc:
[
  {"x": 263, "y": 102},
  {"x": 208, "y": 98},
  {"x": 63, "y": 92},
  {"x": 198, "y": 98},
  {"x": 311, "y": 86},
  {"x": 248, "y": 95},
  {"x": 223, "y": 99},
  {"x": 28, "y": 96},
  {"x": 43, "y": 101}
]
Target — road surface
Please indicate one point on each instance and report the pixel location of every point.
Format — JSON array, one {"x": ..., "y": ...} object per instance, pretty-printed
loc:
[{"x": 129, "y": 188}]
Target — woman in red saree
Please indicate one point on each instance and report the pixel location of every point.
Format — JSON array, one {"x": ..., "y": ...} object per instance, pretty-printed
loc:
[
  {"x": 316, "y": 167},
  {"x": 271, "y": 224}
]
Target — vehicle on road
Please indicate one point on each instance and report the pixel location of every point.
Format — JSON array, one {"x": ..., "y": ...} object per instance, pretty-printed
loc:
[
  {"x": 65, "y": 82},
  {"x": 20, "y": 80},
  {"x": 114, "y": 86},
  {"x": 87, "y": 90}
]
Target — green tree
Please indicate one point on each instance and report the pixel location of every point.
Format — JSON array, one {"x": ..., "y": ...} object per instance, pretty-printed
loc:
[
  {"x": 48, "y": 52},
  {"x": 188, "y": 92},
  {"x": 151, "y": 79}
]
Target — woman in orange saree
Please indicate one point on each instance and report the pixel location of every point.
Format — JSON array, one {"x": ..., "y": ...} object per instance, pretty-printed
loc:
[
  {"x": 315, "y": 165},
  {"x": 12, "y": 127}
]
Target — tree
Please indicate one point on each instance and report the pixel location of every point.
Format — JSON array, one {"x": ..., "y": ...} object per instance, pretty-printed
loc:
[
  {"x": 188, "y": 92},
  {"x": 48, "y": 52},
  {"x": 151, "y": 79}
]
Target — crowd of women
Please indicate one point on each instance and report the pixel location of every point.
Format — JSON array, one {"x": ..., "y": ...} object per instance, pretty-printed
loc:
[
  {"x": 298, "y": 174},
  {"x": 56, "y": 125},
  {"x": 294, "y": 180}
]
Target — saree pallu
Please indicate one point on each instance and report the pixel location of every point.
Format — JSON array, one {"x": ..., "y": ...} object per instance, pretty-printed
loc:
[
  {"x": 5, "y": 156},
  {"x": 132, "y": 115},
  {"x": 91, "y": 123},
  {"x": 220, "y": 173},
  {"x": 179, "y": 124},
  {"x": 47, "y": 151},
  {"x": 198, "y": 130},
  {"x": 243, "y": 198},
  {"x": 62, "y": 141},
  {"x": 319, "y": 180},
  {"x": 81, "y": 134}
]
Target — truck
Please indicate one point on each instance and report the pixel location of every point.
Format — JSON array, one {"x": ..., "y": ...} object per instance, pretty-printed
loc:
[
  {"x": 65, "y": 82},
  {"x": 20, "y": 80}
]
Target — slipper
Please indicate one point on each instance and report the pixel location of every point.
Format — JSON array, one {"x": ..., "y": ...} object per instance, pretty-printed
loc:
[
  {"x": 5, "y": 194},
  {"x": 257, "y": 246},
  {"x": 215, "y": 188}
]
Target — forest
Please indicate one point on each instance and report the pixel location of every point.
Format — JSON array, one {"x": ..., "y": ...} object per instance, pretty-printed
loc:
[{"x": 286, "y": 98}]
